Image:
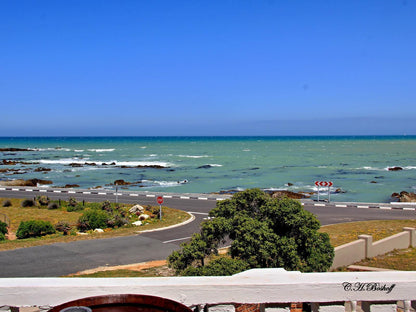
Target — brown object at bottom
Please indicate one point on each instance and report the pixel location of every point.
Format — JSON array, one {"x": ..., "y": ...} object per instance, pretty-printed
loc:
[{"x": 125, "y": 303}]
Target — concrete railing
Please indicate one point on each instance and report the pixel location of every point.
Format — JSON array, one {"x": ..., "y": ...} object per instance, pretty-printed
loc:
[
  {"x": 270, "y": 290},
  {"x": 364, "y": 247}
]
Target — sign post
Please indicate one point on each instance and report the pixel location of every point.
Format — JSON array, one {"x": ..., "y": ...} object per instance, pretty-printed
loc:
[
  {"x": 317, "y": 184},
  {"x": 324, "y": 183},
  {"x": 160, "y": 202}
]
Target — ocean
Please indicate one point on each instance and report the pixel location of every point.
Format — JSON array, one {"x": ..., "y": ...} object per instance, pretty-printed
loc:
[{"x": 358, "y": 166}]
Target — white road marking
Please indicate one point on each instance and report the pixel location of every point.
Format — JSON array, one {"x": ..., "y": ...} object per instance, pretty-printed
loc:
[
  {"x": 14, "y": 189},
  {"x": 150, "y": 195},
  {"x": 385, "y": 208},
  {"x": 134, "y": 195},
  {"x": 202, "y": 198},
  {"x": 405, "y": 208},
  {"x": 43, "y": 191},
  {"x": 175, "y": 240},
  {"x": 184, "y": 197},
  {"x": 344, "y": 206},
  {"x": 2, "y": 188},
  {"x": 167, "y": 196},
  {"x": 320, "y": 205},
  {"x": 71, "y": 192},
  {"x": 86, "y": 192},
  {"x": 363, "y": 207},
  {"x": 56, "y": 191},
  {"x": 201, "y": 213},
  {"x": 28, "y": 190}
]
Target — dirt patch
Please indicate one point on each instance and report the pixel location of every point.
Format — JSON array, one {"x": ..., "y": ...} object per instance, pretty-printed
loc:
[{"x": 132, "y": 267}]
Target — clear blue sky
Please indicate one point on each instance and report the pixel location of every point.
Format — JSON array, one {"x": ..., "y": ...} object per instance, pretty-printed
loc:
[{"x": 229, "y": 67}]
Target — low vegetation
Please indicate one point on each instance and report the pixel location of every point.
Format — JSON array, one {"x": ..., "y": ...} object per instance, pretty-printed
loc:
[{"x": 40, "y": 221}]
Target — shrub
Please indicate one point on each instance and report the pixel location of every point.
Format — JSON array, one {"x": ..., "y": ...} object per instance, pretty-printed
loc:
[
  {"x": 93, "y": 219},
  {"x": 78, "y": 207},
  {"x": 34, "y": 228},
  {"x": 52, "y": 206},
  {"x": 7, "y": 203},
  {"x": 3, "y": 227},
  {"x": 63, "y": 226},
  {"x": 107, "y": 206},
  {"x": 28, "y": 203},
  {"x": 43, "y": 200},
  {"x": 72, "y": 202},
  {"x": 2, "y": 237}
]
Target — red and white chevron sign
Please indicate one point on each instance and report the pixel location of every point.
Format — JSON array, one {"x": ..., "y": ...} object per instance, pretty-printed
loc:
[{"x": 323, "y": 183}]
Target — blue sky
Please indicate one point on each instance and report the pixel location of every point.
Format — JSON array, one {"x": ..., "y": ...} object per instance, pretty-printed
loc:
[{"x": 230, "y": 67}]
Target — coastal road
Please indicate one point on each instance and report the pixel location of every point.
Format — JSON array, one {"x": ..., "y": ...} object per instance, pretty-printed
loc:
[{"x": 66, "y": 258}]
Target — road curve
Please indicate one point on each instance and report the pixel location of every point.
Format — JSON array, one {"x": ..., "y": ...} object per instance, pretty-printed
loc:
[{"x": 66, "y": 258}]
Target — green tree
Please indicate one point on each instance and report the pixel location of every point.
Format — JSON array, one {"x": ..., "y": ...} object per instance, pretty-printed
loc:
[{"x": 264, "y": 232}]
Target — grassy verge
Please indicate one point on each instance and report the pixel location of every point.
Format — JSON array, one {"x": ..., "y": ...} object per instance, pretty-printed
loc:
[
  {"x": 16, "y": 213},
  {"x": 347, "y": 232},
  {"x": 403, "y": 259}
]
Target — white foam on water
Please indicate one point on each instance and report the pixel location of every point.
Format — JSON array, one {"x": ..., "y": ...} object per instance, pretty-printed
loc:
[
  {"x": 193, "y": 156},
  {"x": 100, "y": 150},
  {"x": 64, "y": 161},
  {"x": 143, "y": 163},
  {"x": 215, "y": 165}
]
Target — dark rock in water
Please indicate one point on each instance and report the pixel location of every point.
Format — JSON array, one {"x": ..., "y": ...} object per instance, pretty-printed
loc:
[
  {"x": 13, "y": 149},
  {"x": 338, "y": 190},
  {"x": 289, "y": 184},
  {"x": 90, "y": 164},
  {"x": 75, "y": 165},
  {"x": 204, "y": 167},
  {"x": 170, "y": 170},
  {"x": 8, "y": 162},
  {"x": 40, "y": 169},
  {"x": 20, "y": 182},
  {"x": 255, "y": 168},
  {"x": 121, "y": 182},
  {"x": 294, "y": 195},
  {"x": 405, "y": 196},
  {"x": 373, "y": 182},
  {"x": 71, "y": 185},
  {"x": 395, "y": 168},
  {"x": 379, "y": 177}
]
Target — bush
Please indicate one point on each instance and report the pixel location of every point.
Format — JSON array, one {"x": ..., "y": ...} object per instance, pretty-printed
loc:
[
  {"x": 78, "y": 207},
  {"x": 107, "y": 206},
  {"x": 7, "y": 203},
  {"x": 34, "y": 228},
  {"x": 3, "y": 227},
  {"x": 93, "y": 219},
  {"x": 28, "y": 203},
  {"x": 52, "y": 206},
  {"x": 43, "y": 200},
  {"x": 63, "y": 226},
  {"x": 2, "y": 237},
  {"x": 72, "y": 202}
]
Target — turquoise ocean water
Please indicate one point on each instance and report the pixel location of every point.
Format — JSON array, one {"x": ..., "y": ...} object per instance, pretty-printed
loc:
[{"x": 356, "y": 165}]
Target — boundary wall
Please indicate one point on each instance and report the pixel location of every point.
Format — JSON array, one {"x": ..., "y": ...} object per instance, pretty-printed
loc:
[{"x": 364, "y": 247}]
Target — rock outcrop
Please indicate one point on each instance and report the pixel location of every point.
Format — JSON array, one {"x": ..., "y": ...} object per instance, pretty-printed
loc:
[
  {"x": 405, "y": 197},
  {"x": 20, "y": 182}
]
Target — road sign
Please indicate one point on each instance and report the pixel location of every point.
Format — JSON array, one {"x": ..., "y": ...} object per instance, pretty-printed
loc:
[
  {"x": 323, "y": 183},
  {"x": 160, "y": 200}
]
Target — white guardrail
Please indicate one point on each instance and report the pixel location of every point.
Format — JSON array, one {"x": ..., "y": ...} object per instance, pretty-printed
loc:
[{"x": 264, "y": 286}]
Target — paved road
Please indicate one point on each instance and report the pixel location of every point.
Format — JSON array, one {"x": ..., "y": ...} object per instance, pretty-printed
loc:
[{"x": 63, "y": 259}]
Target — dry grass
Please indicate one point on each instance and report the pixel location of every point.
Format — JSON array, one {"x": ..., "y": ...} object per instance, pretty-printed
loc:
[
  {"x": 403, "y": 259},
  {"x": 347, "y": 232}
]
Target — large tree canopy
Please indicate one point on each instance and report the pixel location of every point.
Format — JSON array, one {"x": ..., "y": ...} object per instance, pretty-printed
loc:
[{"x": 265, "y": 232}]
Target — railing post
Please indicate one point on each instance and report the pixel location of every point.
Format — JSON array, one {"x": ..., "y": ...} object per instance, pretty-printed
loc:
[
  {"x": 368, "y": 245},
  {"x": 412, "y": 236}
]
